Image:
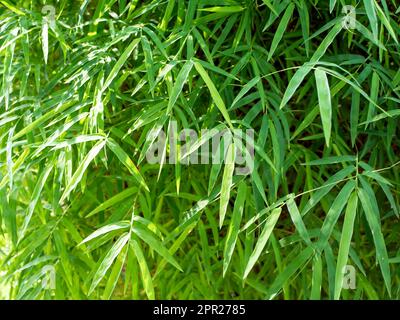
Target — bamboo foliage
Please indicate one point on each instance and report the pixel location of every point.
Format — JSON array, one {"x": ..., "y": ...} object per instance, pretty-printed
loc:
[{"x": 88, "y": 89}]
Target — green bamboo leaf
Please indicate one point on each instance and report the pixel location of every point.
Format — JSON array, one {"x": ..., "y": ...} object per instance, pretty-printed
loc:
[
  {"x": 371, "y": 13},
  {"x": 294, "y": 84},
  {"x": 302, "y": 72},
  {"x": 324, "y": 101},
  {"x": 227, "y": 182},
  {"x": 295, "y": 264},
  {"x": 331, "y": 160},
  {"x": 374, "y": 97},
  {"x": 76, "y": 140},
  {"x": 244, "y": 90},
  {"x": 57, "y": 133},
  {"x": 16, "y": 165},
  {"x": 354, "y": 116},
  {"x": 12, "y": 7},
  {"x": 106, "y": 229},
  {"x": 326, "y": 187},
  {"x": 9, "y": 216},
  {"x": 215, "y": 69},
  {"x": 385, "y": 21},
  {"x": 390, "y": 114},
  {"x": 128, "y": 163},
  {"x": 149, "y": 62},
  {"x": 234, "y": 226},
  {"x": 61, "y": 108},
  {"x": 177, "y": 245},
  {"x": 333, "y": 214},
  {"x": 45, "y": 40},
  {"x": 119, "y": 64},
  {"x": 61, "y": 250},
  {"x": 77, "y": 177},
  {"x": 179, "y": 83},
  {"x": 297, "y": 220},
  {"x": 204, "y": 138},
  {"x": 115, "y": 274},
  {"x": 262, "y": 240},
  {"x": 113, "y": 200},
  {"x": 345, "y": 240},
  {"x": 155, "y": 244},
  {"x": 35, "y": 197},
  {"x": 224, "y": 9},
  {"x": 9, "y": 155},
  {"x": 281, "y": 29},
  {"x": 214, "y": 92},
  {"x": 156, "y": 40},
  {"x": 270, "y": 6},
  {"x": 379, "y": 241},
  {"x": 331, "y": 5},
  {"x": 144, "y": 270},
  {"x": 383, "y": 183},
  {"x": 316, "y": 278},
  {"x": 108, "y": 260}
]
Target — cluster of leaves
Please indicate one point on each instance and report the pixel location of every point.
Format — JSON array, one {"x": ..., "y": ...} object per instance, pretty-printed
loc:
[{"x": 82, "y": 86}]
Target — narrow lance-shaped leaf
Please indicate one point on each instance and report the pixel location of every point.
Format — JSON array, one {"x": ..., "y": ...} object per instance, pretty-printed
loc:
[
  {"x": 293, "y": 266},
  {"x": 121, "y": 61},
  {"x": 245, "y": 89},
  {"x": 45, "y": 40},
  {"x": 333, "y": 214},
  {"x": 234, "y": 227},
  {"x": 10, "y": 163},
  {"x": 113, "y": 200},
  {"x": 281, "y": 29},
  {"x": 35, "y": 197},
  {"x": 371, "y": 13},
  {"x": 262, "y": 240},
  {"x": 298, "y": 221},
  {"x": 155, "y": 244},
  {"x": 108, "y": 260},
  {"x": 326, "y": 187},
  {"x": 126, "y": 160},
  {"x": 324, "y": 101},
  {"x": 115, "y": 274},
  {"x": 106, "y": 229},
  {"x": 331, "y": 5},
  {"x": 379, "y": 241},
  {"x": 179, "y": 83},
  {"x": 316, "y": 278},
  {"x": 144, "y": 270},
  {"x": 77, "y": 177},
  {"x": 214, "y": 92},
  {"x": 345, "y": 240},
  {"x": 227, "y": 182},
  {"x": 302, "y": 72}
]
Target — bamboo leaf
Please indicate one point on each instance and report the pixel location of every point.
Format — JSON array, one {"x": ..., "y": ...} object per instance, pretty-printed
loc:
[
  {"x": 234, "y": 226},
  {"x": 77, "y": 177},
  {"x": 214, "y": 92},
  {"x": 345, "y": 241},
  {"x": 262, "y": 241},
  {"x": 324, "y": 101},
  {"x": 107, "y": 261}
]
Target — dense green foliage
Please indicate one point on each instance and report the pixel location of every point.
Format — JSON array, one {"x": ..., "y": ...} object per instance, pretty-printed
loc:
[{"x": 80, "y": 91}]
